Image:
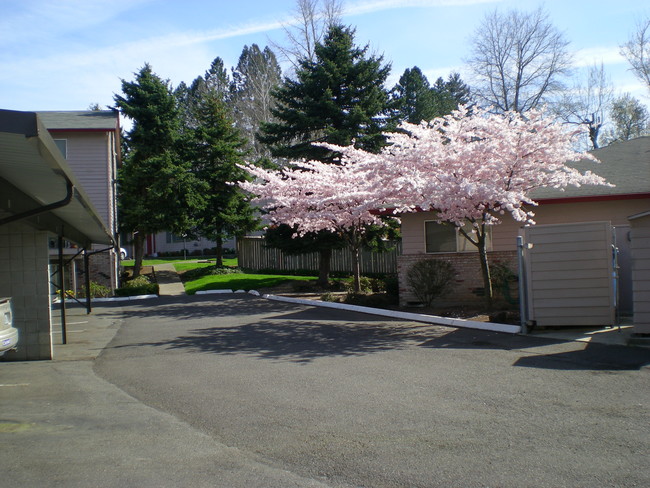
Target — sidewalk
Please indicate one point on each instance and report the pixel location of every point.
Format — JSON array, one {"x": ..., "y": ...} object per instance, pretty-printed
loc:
[{"x": 169, "y": 282}]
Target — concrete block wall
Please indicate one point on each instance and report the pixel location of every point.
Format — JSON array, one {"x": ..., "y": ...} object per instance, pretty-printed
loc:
[
  {"x": 24, "y": 277},
  {"x": 468, "y": 279}
]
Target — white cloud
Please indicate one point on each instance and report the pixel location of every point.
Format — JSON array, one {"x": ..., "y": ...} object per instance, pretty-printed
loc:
[
  {"x": 44, "y": 19},
  {"x": 595, "y": 55},
  {"x": 369, "y": 6}
]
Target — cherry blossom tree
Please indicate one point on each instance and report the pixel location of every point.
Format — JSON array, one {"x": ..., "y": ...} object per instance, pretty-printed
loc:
[
  {"x": 318, "y": 196},
  {"x": 475, "y": 168},
  {"x": 469, "y": 168}
]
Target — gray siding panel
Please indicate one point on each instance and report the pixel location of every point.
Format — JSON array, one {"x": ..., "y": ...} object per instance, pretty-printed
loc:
[
  {"x": 570, "y": 274},
  {"x": 640, "y": 250}
]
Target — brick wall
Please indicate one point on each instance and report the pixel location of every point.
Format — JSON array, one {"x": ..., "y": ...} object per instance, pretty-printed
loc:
[
  {"x": 24, "y": 277},
  {"x": 102, "y": 269},
  {"x": 468, "y": 285}
]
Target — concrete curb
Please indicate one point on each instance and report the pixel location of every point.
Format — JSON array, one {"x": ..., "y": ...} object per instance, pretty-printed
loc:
[
  {"x": 430, "y": 319},
  {"x": 123, "y": 299},
  {"x": 110, "y": 299},
  {"x": 215, "y": 292}
]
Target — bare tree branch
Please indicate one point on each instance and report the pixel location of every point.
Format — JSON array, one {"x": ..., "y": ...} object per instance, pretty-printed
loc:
[
  {"x": 518, "y": 60},
  {"x": 637, "y": 52},
  {"x": 587, "y": 103},
  {"x": 311, "y": 20}
]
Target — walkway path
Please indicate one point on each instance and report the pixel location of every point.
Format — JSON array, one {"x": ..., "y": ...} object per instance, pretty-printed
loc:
[{"x": 168, "y": 280}]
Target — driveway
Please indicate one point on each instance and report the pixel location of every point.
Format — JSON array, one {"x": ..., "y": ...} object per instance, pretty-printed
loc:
[{"x": 348, "y": 399}]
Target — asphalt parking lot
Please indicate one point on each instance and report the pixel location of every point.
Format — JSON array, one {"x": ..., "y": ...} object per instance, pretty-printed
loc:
[{"x": 241, "y": 391}]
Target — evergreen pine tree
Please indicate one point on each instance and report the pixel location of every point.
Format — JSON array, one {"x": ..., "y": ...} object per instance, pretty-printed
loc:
[
  {"x": 412, "y": 99},
  {"x": 215, "y": 148},
  {"x": 337, "y": 98},
  {"x": 156, "y": 190}
]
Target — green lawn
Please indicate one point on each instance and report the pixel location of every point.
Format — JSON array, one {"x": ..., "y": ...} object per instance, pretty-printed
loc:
[
  {"x": 184, "y": 266},
  {"x": 240, "y": 281}
]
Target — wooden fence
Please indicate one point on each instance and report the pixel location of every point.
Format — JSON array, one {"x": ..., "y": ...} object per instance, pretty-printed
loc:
[{"x": 254, "y": 255}]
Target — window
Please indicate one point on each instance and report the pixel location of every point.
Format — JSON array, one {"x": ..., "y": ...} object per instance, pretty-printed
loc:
[
  {"x": 62, "y": 144},
  {"x": 447, "y": 238},
  {"x": 173, "y": 238}
]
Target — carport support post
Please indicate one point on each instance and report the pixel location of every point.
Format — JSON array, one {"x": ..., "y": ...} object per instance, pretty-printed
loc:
[
  {"x": 87, "y": 279},
  {"x": 522, "y": 285},
  {"x": 64, "y": 338}
]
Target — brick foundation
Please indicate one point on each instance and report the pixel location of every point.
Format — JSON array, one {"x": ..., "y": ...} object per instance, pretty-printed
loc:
[{"x": 468, "y": 285}]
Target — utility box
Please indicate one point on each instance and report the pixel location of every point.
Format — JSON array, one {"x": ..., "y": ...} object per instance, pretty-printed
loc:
[{"x": 571, "y": 274}]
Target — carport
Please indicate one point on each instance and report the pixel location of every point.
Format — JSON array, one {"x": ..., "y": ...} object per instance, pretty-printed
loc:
[{"x": 39, "y": 197}]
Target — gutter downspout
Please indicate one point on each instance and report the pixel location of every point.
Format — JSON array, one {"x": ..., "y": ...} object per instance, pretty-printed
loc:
[{"x": 44, "y": 208}]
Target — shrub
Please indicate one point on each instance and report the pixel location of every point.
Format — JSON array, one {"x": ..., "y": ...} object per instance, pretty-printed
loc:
[
  {"x": 195, "y": 274},
  {"x": 502, "y": 279},
  {"x": 137, "y": 286},
  {"x": 430, "y": 279},
  {"x": 96, "y": 291},
  {"x": 368, "y": 285},
  {"x": 377, "y": 300},
  {"x": 391, "y": 285}
]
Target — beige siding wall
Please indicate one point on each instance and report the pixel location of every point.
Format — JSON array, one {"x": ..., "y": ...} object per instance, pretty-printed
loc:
[
  {"x": 504, "y": 236},
  {"x": 640, "y": 245},
  {"x": 88, "y": 155},
  {"x": 569, "y": 271},
  {"x": 92, "y": 157}
]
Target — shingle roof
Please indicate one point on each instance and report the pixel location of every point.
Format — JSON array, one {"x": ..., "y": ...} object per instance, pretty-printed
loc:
[
  {"x": 80, "y": 120},
  {"x": 625, "y": 164}
]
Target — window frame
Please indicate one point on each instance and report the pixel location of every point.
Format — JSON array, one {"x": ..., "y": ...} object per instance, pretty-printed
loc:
[
  {"x": 64, "y": 149},
  {"x": 466, "y": 245}
]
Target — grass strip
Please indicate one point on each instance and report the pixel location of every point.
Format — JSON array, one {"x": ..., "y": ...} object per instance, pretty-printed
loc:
[{"x": 241, "y": 281}]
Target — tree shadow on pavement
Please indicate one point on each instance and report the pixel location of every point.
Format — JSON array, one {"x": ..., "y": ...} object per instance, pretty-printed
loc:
[
  {"x": 298, "y": 340},
  {"x": 192, "y": 307}
]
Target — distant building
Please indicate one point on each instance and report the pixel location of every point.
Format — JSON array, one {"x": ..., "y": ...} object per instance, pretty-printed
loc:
[{"x": 90, "y": 143}]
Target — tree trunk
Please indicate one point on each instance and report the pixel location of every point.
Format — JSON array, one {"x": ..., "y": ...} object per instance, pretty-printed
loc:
[
  {"x": 219, "y": 251},
  {"x": 356, "y": 269},
  {"x": 324, "y": 261},
  {"x": 485, "y": 268},
  {"x": 138, "y": 252}
]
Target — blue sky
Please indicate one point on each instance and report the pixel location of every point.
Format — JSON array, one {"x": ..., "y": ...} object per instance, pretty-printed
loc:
[{"x": 68, "y": 54}]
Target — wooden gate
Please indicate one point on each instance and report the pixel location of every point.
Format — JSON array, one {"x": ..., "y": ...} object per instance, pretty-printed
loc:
[{"x": 570, "y": 274}]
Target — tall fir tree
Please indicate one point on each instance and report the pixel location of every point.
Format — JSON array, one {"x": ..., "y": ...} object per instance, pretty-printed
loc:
[
  {"x": 338, "y": 97},
  {"x": 215, "y": 148},
  {"x": 451, "y": 94},
  {"x": 156, "y": 189},
  {"x": 412, "y": 99}
]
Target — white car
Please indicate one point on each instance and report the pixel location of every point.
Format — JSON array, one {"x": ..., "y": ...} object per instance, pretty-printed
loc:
[
  {"x": 8, "y": 334},
  {"x": 123, "y": 254}
]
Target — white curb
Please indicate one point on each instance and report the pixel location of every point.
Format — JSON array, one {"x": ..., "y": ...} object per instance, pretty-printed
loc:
[
  {"x": 112, "y": 299},
  {"x": 430, "y": 319},
  {"x": 212, "y": 292}
]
